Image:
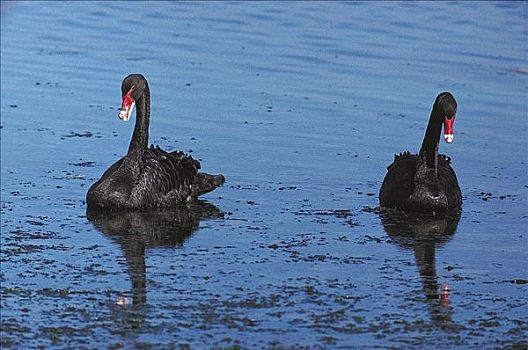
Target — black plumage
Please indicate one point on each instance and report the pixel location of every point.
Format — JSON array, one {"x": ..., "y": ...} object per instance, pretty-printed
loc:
[
  {"x": 425, "y": 182},
  {"x": 148, "y": 177}
]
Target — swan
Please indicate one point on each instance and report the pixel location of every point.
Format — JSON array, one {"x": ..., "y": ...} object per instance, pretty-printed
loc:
[
  {"x": 425, "y": 182},
  {"x": 147, "y": 177}
]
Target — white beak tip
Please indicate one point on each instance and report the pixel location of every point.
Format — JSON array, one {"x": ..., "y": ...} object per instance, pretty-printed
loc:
[{"x": 123, "y": 115}]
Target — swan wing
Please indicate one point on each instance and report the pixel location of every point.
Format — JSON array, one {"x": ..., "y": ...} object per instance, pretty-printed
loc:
[
  {"x": 166, "y": 178},
  {"x": 399, "y": 181}
]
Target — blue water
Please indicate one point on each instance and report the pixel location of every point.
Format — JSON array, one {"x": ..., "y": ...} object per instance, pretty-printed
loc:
[{"x": 301, "y": 105}]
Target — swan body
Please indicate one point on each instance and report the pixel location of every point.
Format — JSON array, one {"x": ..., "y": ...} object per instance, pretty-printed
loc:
[
  {"x": 147, "y": 177},
  {"x": 425, "y": 182}
]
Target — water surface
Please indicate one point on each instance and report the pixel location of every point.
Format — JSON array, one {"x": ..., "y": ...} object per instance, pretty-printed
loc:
[{"x": 301, "y": 105}]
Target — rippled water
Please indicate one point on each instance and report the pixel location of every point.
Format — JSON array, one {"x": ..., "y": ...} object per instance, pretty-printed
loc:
[{"x": 301, "y": 105}]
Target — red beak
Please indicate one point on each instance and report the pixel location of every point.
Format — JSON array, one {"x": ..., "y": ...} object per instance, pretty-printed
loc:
[
  {"x": 126, "y": 106},
  {"x": 448, "y": 129}
]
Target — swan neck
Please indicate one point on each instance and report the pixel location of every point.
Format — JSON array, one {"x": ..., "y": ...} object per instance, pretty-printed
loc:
[
  {"x": 429, "y": 148},
  {"x": 139, "y": 142}
]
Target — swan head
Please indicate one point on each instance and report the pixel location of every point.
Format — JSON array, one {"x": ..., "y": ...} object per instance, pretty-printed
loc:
[
  {"x": 446, "y": 106},
  {"x": 132, "y": 90}
]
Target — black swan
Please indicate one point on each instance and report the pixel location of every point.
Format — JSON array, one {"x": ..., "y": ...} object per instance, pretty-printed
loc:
[
  {"x": 147, "y": 177},
  {"x": 425, "y": 182}
]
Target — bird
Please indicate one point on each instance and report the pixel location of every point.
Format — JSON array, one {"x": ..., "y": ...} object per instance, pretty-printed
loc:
[
  {"x": 147, "y": 177},
  {"x": 425, "y": 182}
]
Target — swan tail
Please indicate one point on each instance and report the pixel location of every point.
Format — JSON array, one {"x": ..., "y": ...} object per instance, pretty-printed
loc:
[{"x": 204, "y": 183}]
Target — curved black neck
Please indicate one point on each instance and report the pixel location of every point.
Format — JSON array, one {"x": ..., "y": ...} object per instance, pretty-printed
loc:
[
  {"x": 139, "y": 142},
  {"x": 429, "y": 148}
]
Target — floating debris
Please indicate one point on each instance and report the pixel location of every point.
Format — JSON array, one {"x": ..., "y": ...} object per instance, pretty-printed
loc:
[
  {"x": 521, "y": 70},
  {"x": 76, "y": 134},
  {"x": 83, "y": 164}
]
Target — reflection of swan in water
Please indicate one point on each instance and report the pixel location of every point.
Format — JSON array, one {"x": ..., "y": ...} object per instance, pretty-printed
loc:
[
  {"x": 423, "y": 234},
  {"x": 137, "y": 230}
]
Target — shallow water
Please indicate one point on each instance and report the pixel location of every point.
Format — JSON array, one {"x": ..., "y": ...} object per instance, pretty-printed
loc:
[{"x": 301, "y": 105}]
